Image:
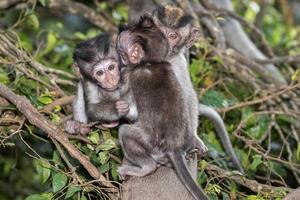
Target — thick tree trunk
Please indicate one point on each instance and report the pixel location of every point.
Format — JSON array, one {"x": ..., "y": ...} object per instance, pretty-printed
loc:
[{"x": 161, "y": 185}]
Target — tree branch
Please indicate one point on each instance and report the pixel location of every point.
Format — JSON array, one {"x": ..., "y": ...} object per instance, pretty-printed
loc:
[
  {"x": 59, "y": 102},
  {"x": 35, "y": 118}
]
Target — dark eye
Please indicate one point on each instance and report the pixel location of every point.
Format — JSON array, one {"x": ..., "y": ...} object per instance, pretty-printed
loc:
[
  {"x": 111, "y": 67},
  {"x": 99, "y": 73},
  {"x": 172, "y": 35}
]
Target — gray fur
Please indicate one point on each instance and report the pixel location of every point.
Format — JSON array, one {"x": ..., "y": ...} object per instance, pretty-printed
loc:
[
  {"x": 182, "y": 73},
  {"x": 79, "y": 110}
]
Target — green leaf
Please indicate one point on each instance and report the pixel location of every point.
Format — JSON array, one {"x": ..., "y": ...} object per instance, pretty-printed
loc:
[
  {"x": 33, "y": 21},
  {"x": 83, "y": 197},
  {"x": 43, "y": 2},
  {"x": 28, "y": 12},
  {"x": 107, "y": 145},
  {"x": 55, "y": 118},
  {"x": 257, "y": 160},
  {"x": 4, "y": 78},
  {"x": 44, "y": 170},
  {"x": 56, "y": 157},
  {"x": 114, "y": 173},
  {"x": 254, "y": 197},
  {"x": 72, "y": 190},
  {"x": 36, "y": 197},
  {"x": 104, "y": 157},
  {"x": 298, "y": 152},
  {"x": 80, "y": 36},
  {"x": 59, "y": 181},
  {"x": 104, "y": 168},
  {"x": 215, "y": 99},
  {"x": 45, "y": 100},
  {"x": 94, "y": 137},
  {"x": 50, "y": 45}
]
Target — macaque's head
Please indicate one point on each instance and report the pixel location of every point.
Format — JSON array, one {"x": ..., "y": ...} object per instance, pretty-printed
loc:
[
  {"x": 98, "y": 61},
  {"x": 176, "y": 27},
  {"x": 142, "y": 42}
]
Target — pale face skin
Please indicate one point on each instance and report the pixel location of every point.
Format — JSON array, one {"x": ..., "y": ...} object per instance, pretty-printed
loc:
[{"x": 107, "y": 74}]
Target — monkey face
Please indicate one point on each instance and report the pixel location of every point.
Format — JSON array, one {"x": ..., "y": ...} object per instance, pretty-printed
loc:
[
  {"x": 176, "y": 27},
  {"x": 142, "y": 41},
  {"x": 107, "y": 74}
]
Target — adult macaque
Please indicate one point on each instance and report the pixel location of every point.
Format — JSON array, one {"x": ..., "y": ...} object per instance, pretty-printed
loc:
[
  {"x": 99, "y": 95},
  {"x": 177, "y": 28},
  {"x": 162, "y": 133}
]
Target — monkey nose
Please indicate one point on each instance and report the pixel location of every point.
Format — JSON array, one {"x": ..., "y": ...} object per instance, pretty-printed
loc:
[{"x": 113, "y": 82}]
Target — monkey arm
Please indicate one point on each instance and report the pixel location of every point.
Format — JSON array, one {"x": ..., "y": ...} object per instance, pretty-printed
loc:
[
  {"x": 79, "y": 110},
  {"x": 133, "y": 112},
  {"x": 127, "y": 95}
]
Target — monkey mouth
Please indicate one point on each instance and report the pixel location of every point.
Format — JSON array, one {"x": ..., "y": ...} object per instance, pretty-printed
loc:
[{"x": 113, "y": 88}]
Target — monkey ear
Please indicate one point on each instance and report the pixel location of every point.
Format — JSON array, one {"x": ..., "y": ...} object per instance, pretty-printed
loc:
[
  {"x": 136, "y": 53},
  {"x": 195, "y": 33},
  {"x": 146, "y": 20}
]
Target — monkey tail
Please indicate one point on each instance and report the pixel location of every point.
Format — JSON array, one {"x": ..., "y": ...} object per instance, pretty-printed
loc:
[
  {"x": 215, "y": 118},
  {"x": 179, "y": 163}
]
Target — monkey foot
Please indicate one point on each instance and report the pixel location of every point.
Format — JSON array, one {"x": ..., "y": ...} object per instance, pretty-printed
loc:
[{"x": 130, "y": 170}]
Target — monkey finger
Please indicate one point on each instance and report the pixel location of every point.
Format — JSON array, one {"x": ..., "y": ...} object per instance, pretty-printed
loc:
[
  {"x": 123, "y": 112},
  {"x": 123, "y": 107},
  {"x": 122, "y": 104},
  {"x": 72, "y": 126}
]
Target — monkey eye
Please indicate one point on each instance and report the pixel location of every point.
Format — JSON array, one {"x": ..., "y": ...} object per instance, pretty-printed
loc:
[
  {"x": 172, "y": 35},
  {"x": 99, "y": 73},
  {"x": 111, "y": 67}
]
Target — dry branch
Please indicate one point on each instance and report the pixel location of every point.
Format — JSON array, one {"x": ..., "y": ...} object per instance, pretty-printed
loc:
[
  {"x": 59, "y": 102},
  {"x": 35, "y": 118},
  {"x": 251, "y": 184},
  {"x": 263, "y": 99}
]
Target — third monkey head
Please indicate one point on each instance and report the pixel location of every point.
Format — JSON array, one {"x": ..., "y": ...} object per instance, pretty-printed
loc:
[
  {"x": 176, "y": 26},
  {"x": 98, "y": 61}
]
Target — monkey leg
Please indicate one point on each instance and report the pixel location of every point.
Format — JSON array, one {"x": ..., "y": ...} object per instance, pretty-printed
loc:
[{"x": 136, "y": 148}]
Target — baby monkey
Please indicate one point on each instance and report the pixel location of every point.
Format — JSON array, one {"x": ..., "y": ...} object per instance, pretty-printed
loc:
[{"x": 100, "y": 97}]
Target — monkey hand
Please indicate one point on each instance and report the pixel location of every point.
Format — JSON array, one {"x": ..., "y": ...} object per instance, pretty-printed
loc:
[
  {"x": 122, "y": 108},
  {"x": 75, "y": 127},
  {"x": 72, "y": 126}
]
